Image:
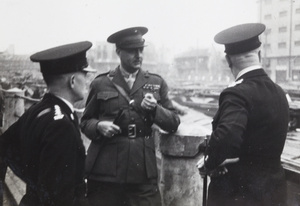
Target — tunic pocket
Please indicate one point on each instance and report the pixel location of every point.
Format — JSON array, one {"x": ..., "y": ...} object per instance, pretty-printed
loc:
[
  {"x": 108, "y": 101},
  {"x": 106, "y": 95}
]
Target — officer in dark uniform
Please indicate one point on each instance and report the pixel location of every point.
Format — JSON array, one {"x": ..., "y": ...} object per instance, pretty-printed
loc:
[
  {"x": 44, "y": 147},
  {"x": 249, "y": 129},
  {"x": 122, "y": 106}
]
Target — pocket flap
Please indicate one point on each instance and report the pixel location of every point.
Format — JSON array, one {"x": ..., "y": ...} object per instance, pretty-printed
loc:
[{"x": 107, "y": 95}]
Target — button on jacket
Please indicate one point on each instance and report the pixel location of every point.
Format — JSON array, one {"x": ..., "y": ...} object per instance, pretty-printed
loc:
[{"x": 122, "y": 159}]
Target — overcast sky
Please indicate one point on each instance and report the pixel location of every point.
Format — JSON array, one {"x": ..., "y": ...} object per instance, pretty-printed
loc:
[{"x": 33, "y": 25}]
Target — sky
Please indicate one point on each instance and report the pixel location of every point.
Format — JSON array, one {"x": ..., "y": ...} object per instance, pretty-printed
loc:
[{"x": 35, "y": 25}]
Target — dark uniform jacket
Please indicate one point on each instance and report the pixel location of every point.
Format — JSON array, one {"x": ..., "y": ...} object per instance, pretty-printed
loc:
[
  {"x": 44, "y": 148},
  {"x": 123, "y": 159},
  {"x": 251, "y": 124}
]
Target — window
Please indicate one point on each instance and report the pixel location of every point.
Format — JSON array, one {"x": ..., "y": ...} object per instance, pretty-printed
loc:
[
  {"x": 297, "y": 43},
  {"x": 297, "y": 27},
  {"x": 268, "y": 31},
  {"x": 297, "y": 61},
  {"x": 268, "y": 1},
  {"x": 282, "y": 29},
  {"x": 266, "y": 62},
  {"x": 282, "y": 45},
  {"x": 267, "y": 46},
  {"x": 282, "y": 13},
  {"x": 104, "y": 52},
  {"x": 298, "y": 11},
  {"x": 282, "y": 61},
  {"x": 268, "y": 16}
]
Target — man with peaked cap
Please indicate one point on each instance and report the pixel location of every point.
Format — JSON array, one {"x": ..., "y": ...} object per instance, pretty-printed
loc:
[
  {"x": 121, "y": 107},
  {"x": 44, "y": 147},
  {"x": 249, "y": 128}
]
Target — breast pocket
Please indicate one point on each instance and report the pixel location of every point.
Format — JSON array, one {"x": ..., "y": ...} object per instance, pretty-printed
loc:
[{"x": 108, "y": 101}]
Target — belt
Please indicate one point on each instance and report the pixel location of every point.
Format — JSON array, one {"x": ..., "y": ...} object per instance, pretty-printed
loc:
[{"x": 133, "y": 131}]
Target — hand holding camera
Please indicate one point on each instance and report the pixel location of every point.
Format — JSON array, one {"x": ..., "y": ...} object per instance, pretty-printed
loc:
[{"x": 149, "y": 103}]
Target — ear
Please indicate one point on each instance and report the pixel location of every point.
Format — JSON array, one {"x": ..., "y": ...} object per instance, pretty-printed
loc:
[
  {"x": 259, "y": 55},
  {"x": 118, "y": 51},
  {"x": 72, "y": 80},
  {"x": 228, "y": 61}
]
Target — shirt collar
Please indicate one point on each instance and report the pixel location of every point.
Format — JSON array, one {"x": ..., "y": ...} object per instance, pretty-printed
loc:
[
  {"x": 247, "y": 69},
  {"x": 127, "y": 74},
  {"x": 67, "y": 103}
]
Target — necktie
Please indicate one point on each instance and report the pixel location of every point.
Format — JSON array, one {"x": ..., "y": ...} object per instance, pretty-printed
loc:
[{"x": 130, "y": 80}]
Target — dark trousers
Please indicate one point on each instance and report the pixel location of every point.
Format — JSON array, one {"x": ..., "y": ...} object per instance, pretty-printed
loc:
[
  {"x": 114, "y": 194},
  {"x": 227, "y": 192}
]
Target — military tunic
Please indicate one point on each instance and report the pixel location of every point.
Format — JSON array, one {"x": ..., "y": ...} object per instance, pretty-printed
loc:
[
  {"x": 44, "y": 148},
  {"x": 122, "y": 159},
  {"x": 251, "y": 124}
]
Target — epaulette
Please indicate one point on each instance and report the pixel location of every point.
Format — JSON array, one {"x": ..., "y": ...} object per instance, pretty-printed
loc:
[
  {"x": 154, "y": 74},
  {"x": 146, "y": 74},
  {"x": 45, "y": 111},
  {"x": 112, "y": 72},
  {"x": 102, "y": 74},
  {"x": 57, "y": 113},
  {"x": 236, "y": 83}
]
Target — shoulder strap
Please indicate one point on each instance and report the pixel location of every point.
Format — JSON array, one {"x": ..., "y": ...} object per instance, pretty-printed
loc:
[{"x": 120, "y": 89}]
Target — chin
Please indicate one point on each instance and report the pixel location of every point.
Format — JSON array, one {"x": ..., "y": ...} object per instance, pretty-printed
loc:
[{"x": 138, "y": 67}]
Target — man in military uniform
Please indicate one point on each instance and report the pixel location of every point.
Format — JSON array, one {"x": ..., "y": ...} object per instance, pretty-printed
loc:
[
  {"x": 44, "y": 147},
  {"x": 122, "y": 106},
  {"x": 249, "y": 129}
]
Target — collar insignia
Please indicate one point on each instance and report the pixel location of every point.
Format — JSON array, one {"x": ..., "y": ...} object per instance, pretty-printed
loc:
[
  {"x": 72, "y": 116},
  {"x": 236, "y": 83},
  {"x": 57, "y": 113}
]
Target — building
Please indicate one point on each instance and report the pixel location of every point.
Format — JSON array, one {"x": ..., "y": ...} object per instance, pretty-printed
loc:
[
  {"x": 202, "y": 66},
  {"x": 18, "y": 70},
  {"x": 103, "y": 58},
  {"x": 281, "y": 40}
]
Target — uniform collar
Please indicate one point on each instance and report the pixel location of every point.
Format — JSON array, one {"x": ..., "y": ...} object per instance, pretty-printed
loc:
[
  {"x": 246, "y": 70},
  {"x": 127, "y": 74},
  {"x": 67, "y": 103}
]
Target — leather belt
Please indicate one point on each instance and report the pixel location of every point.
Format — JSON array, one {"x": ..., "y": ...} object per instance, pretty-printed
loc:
[{"x": 132, "y": 132}]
